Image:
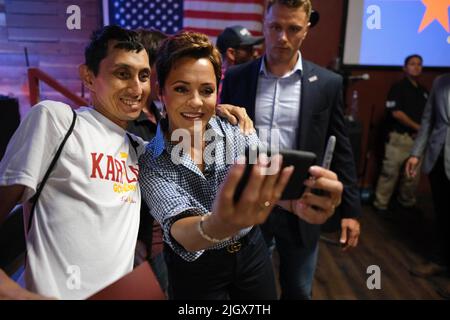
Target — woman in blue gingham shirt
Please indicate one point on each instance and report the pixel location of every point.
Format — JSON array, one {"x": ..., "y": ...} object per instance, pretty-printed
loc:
[
  {"x": 180, "y": 191},
  {"x": 211, "y": 249}
]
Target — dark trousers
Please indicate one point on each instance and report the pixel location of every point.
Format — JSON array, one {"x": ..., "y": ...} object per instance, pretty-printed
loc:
[
  {"x": 297, "y": 262},
  {"x": 224, "y": 274},
  {"x": 440, "y": 188}
]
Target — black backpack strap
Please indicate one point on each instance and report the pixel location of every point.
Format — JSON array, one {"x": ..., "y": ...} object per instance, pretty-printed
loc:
[
  {"x": 134, "y": 143},
  {"x": 34, "y": 199},
  {"x": 145, "y": 233}
]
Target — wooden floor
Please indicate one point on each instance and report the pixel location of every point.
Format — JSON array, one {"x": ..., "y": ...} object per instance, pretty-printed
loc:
[{"x": 394, "y": 245}]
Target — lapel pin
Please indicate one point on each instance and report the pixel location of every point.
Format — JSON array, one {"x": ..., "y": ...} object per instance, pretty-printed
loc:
[{"x": 313, "y": 78}]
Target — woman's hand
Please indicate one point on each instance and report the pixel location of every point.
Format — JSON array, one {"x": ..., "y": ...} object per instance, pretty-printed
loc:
[{"x": 264, "y": 189}]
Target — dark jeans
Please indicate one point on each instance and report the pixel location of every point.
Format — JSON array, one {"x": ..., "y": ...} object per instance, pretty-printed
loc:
[
  {"x": 297, "y": 262},
  {"x": 221, "y": 275},
  {"x": 159, "y": 267},
  {"x": 440, "y": 187}
]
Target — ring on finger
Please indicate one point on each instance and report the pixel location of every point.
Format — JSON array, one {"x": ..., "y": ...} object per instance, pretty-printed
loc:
[{"x": 265, "y": 204}]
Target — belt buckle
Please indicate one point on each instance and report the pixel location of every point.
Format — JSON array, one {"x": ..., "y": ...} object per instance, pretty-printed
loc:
[{"x": 234, "y": 247}]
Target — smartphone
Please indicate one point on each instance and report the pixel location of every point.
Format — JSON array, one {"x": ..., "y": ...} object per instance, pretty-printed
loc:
[{"x": 301, "y": 160}]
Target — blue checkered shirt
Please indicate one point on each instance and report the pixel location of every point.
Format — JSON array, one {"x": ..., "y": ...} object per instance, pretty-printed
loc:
[{"x": 173, "y": 191}]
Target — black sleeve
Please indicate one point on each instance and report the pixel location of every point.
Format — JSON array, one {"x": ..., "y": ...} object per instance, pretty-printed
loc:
[
  {"x": 394, "y": 98},
  {"x": 224, "y": 94}
]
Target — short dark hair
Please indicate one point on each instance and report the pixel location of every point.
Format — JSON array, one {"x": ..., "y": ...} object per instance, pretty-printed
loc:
[
  {"x": 418, "y": 56},
  {"x": 305, "y": 4},
  {"x": 186, "y": 44},
  {"x": 151, "y": 39},
  {"x": 97, "y": 49}
]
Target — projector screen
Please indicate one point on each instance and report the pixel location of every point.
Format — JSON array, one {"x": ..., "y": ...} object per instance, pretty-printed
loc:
[{"x": 384, "y": 32}]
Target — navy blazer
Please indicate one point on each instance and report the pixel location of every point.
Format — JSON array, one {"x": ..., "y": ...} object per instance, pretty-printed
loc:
[{"x": 321, "y": 115}]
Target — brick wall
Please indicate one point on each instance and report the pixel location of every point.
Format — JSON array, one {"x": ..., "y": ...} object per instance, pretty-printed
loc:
[{"x": 40, "y": 26}]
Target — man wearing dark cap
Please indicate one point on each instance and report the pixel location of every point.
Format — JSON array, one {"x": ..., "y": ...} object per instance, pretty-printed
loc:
[{"x": 236, "y": 44}]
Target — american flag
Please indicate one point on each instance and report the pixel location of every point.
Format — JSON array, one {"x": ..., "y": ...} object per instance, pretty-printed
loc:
[{"x": 170, "y": 16}]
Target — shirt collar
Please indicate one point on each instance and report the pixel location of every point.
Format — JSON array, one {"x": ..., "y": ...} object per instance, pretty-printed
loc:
[
  {"x": 106, "y": 121},
  {"x": 298, "y": 67},
  {"x": 214, "y": 125},
  {"x": 158, "y": 143}
]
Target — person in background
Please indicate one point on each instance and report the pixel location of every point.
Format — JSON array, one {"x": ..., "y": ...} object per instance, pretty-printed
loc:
[
  {"x": 145, "y": 125},
  {"x": 432, "y": 149},
  {"x": 236, "y": 45},
  {"x": 149, "y": 245},
  {"x": 405, "y": 104},
  {"x": 302, "y": 103}
]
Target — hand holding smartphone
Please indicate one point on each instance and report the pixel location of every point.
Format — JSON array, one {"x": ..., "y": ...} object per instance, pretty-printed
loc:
[{"x": 301, "y": 160}]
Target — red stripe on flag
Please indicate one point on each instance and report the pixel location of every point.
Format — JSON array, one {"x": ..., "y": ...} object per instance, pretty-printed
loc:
[
  {"x": 208, "y": 22},
  {"x": 215, "y": 32},
  {"x": 223, "y": 15}
]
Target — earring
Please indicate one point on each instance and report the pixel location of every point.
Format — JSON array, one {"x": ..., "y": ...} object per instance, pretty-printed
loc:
[{"x": 164, "y": 121}]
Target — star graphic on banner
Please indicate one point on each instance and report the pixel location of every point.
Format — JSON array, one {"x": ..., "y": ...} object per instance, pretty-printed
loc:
[{"x": 436, "y": 10}]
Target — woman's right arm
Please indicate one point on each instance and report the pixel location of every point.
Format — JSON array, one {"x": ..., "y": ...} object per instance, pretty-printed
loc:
[{"x": 255, "y": 204}]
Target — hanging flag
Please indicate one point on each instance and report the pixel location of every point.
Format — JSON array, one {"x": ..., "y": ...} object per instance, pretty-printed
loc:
[{"x": 170, "y": 16}]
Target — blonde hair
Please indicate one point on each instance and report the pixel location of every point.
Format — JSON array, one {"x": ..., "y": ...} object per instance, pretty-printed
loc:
[{"x": 305, "y": 4}]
